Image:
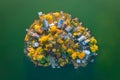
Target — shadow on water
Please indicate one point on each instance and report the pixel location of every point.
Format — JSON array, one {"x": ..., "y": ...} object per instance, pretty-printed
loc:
[{"x": 65, "y": 73}]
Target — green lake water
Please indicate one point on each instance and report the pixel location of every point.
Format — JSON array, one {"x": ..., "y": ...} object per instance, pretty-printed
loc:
[{"x": 102, "y": 17}]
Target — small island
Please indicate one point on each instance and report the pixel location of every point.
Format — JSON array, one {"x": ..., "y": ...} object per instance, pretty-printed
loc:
[{"x": 56, "y": 40}]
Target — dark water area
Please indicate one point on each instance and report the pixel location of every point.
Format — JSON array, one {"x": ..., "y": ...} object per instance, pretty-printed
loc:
[{"x": 102, "y": 17}]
